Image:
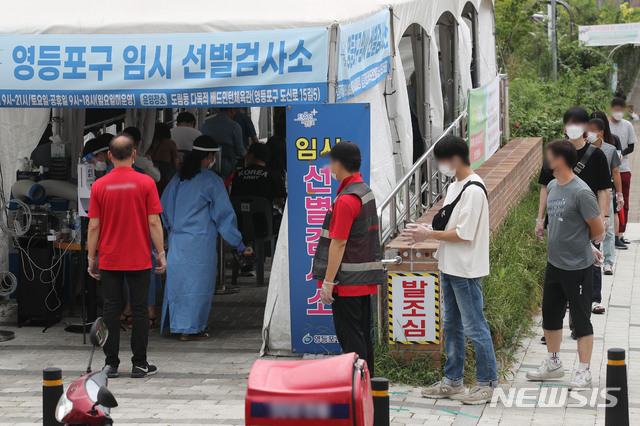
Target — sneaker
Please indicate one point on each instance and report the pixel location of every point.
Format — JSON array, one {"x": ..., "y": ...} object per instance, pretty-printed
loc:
[
  {"x": 546, "y": 371},
  {"x": 112, "y": 372},
  {"x": 625, "y": 240},
  {"x": 543, "y": 340},
  {"x": 442, "y": 390},
  {"x": 573, "y": 335},
  {"x": 143, "y": 371},
  {"x": 581, "y": 379},
  {"x": 620, "y": 245},
  {"x": 607, "y": 269},
  {"x": 478, "y": 395},
  {"x": 597, "y": 308}
]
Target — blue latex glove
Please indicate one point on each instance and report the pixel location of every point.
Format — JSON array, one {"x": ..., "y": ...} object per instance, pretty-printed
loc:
[{"x": 241, "y": 247}]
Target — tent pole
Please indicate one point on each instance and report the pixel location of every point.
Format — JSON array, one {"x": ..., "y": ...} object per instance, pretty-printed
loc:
[{"x": 332, "y": 78}]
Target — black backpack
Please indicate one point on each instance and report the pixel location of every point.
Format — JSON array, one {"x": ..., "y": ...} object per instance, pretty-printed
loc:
[{"x": 441, "y": 218}]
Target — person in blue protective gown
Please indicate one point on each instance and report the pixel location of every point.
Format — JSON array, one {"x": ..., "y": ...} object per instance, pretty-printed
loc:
[{"x": 195, "y": 207}]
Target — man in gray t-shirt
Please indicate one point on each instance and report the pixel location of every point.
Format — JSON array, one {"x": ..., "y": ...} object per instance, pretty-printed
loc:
[
  {"x": 574, "y": 221},
  {"x": 569, "y": 206}
]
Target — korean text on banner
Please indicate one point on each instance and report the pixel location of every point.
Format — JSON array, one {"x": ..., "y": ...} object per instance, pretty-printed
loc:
[
  {"x": 484, "y": 122},
  {"x": 311, "y": 131},
  {"x": 414, "y": 308},
  {"x": 364, "y": 51},
  {"x": 609, "y": 35},
  {"x": 249, "y": 68}
]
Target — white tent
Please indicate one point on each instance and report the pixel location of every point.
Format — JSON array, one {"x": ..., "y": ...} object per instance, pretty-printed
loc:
[{"x": 391, "y": 132}]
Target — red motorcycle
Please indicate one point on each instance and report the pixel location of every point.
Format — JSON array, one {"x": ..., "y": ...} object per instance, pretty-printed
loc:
[{"x": 88, "y": 401}]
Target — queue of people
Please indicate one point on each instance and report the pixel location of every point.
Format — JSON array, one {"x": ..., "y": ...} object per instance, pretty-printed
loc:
[
  {"x": 583, "y": 186},
  {"x": 175, "y": 190}
]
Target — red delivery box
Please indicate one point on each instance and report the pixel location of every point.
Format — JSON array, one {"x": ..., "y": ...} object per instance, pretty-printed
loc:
[{"x": 332, "y": 391}]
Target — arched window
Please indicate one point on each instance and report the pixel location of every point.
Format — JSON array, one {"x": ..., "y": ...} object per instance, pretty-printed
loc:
[
  {"x": 446, "y": 39},
  {"x": 470, "y": 18},
  {"x": 414, "y": 53}
]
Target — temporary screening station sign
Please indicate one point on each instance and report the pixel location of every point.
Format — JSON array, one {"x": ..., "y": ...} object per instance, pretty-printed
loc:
[
  {"x": 311, "y": 132},
  {"x": 248, "y": 68},
  {"x": 364, "y": 51},
  {"x": 483, "y": 122},
  {"x": 414, "y": 308}
]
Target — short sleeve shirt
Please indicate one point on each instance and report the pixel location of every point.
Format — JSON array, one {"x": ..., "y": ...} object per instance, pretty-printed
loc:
[
  {"x": 624, "y": 130},
  {"x": 345, "y": 210},
  {"x": 596, "y": 173},
  {"x": 569, "y": 206},
  {"x": 259, "y": 181},
  {"x": 122, "y": 200}
]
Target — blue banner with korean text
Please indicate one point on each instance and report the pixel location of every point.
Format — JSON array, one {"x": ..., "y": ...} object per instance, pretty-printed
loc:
[
  {"x": 249, "y": 68},
  {"x": 311, "y": 132},
  {"x": 364, "y": 49}
]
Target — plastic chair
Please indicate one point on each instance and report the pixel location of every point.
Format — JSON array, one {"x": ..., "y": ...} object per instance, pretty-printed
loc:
[{"x": 255, "y": 222}]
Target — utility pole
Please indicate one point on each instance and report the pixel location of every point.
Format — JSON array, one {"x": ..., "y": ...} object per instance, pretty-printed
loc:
[{"x": 554, "y": 39}]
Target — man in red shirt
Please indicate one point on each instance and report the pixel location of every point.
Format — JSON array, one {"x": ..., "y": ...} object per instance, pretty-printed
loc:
[
  {"x": 124, "y": 210},
  {"x": 348, "y": 256}
]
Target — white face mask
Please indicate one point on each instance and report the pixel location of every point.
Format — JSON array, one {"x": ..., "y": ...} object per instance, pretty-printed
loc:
[
  {"x": 592, "y": 137},
  {"x": 446, "y": 170},
  {"x": 574, "y": 131},
  {"x": 617, "y": 115},
  {"x": 101, "y": 166}
]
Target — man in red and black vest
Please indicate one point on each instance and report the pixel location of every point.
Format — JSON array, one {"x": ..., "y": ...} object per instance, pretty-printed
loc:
[{"x": 348, "y": 257}]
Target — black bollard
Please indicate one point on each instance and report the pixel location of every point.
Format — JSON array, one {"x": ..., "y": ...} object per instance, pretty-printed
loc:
[
  {"x": 380, "y": 393},
  {"x": 51, "y": 392},
  {"x": 617, "y": 415}
]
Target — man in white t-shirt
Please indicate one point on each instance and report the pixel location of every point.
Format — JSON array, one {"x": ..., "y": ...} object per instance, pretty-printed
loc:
[
  {"x": 624, "y": 130},
  {"x": 463, "y": 259},
  {"x": 185, "y": 132}
]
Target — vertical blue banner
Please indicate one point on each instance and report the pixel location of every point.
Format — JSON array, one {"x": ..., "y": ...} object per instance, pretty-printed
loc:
[{"x": 311, "y": 132}]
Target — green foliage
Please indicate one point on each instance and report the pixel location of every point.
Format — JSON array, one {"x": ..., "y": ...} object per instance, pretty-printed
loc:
[{"x": 512, "y": 294}]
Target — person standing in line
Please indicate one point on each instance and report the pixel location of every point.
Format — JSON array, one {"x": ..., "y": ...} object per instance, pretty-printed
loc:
[
  {"x": 595, "y": 136},
  {"x": 228, "y": 134},
  {"x": 348, "y": 259},
  {"x": 463, "y": 259},
  {"x": 196, "y": 207},
  {"x": 592, "y": 168},
  {"x": 185, "y": 132},
  {"x": 124, "y": 210},
  {"x": 574, "y": 222},
  {"x": 624, "y": 130}
]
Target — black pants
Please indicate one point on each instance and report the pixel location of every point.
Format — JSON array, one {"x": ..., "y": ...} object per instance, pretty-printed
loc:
[
  {"x": 560, "y": 287},
  {"x": 597, "y": 281},
  {"x": 112, "y": 288},
  {"x": 352, "y": 319}
]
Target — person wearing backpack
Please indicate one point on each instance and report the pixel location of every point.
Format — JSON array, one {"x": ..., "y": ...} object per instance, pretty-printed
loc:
[{"x": 462, "y": 228}]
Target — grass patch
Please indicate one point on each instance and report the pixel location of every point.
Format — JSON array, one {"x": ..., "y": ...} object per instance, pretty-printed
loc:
[{"x": 512, "y": 295}]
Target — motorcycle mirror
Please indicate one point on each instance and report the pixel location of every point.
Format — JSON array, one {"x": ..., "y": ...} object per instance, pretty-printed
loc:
[
  {"x": 99, "y": 333},
  {"x": 106, "y": 398}
]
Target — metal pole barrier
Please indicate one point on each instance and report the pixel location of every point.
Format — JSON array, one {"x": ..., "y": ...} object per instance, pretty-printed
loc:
[
  {"x": 380, "y": 393},
  {"x": 51, "y": 392},
  {"x": 618, "y": 413}
]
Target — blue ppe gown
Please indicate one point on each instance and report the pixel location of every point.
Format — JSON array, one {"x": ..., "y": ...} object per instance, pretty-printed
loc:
[{"x": 194, "y": 211}]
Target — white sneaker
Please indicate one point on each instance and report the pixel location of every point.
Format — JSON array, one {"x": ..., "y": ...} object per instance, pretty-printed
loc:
[
  {"x": 597, "y": 308},
  {"x": 478, "y": 395},
  {"x": 607, "y": 269},
  {"x": 547, "y": 370},
  {"x": 581, "y": 379},
  {"x": 442, "y": 390}
]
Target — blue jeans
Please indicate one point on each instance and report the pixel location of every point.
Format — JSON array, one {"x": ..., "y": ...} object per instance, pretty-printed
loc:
[
  {"x": 608, "y": 245},
  {"x": 463, "y": 315}
]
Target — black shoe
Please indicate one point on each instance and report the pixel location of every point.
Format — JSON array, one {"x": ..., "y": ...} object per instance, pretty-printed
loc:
[
  {"x": 573, "y": 335},
  {"x": 619, "y": 244},
  {"x": 543, "y": 340},
  {"x": 625, "y": 240},
  {"x": 140, "y": 371},
  {"x": 112, "y": 372}
]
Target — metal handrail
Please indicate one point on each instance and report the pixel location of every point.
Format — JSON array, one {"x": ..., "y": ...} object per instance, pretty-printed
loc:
[{"x": 403, "y": 189}]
